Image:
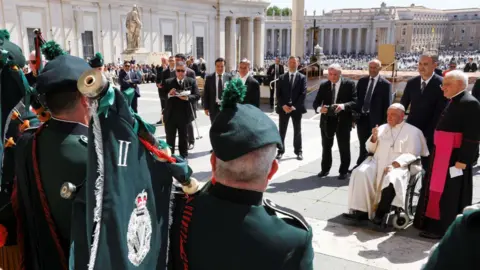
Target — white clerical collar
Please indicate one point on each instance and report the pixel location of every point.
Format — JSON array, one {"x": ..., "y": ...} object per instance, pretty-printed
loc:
[
  {"x": 457, "y": 94},
  {"x": 426, "y": 81},
  {"x": 397, "y": 126}
]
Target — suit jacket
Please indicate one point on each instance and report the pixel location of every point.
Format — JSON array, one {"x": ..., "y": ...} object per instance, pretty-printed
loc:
[
  {"x": 381, "y": 99},
  {"x": 195, "y": 69},
  {"x": 123, "y": 78},
  {"x": 253, "y": 92},
  {"x": 476, "y": 89},
  {"x": 347, "y": 95},
  {"x": 176, "y": 109},
  {"x": 210, "y": 91},
  {"x": 286, "y": 95},
  {"x": 166, "y": 74},
  {"x": 426, "y": 107},
  {"x": 271, "y": 71},
  {"x": 470, "y": 67}
]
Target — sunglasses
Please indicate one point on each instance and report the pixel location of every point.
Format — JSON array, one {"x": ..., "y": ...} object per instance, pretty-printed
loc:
[{"x": 181, "y": 70}]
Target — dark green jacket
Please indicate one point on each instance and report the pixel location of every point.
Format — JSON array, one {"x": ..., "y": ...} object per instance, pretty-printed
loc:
[
  {"x": 226, "y": 228},
  {"x": 459, "y": 247}
]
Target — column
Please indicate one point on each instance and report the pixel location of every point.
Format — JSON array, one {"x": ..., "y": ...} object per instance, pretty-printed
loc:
[
  {"x": 289, "y": 45},
  {"x": 69, "y": 27},
  {"x": 305, "y": 38},
  {"x": 250, "y": 40},
  {"x": 368, "y": 41},
  {"x": 233, "y": 44},
  {"x": 389, "y": 35},
  {"x": 105, "y": 33},
  {"x": 321, "y": 32},
  {"x": 272, "y": 46},
  {"x": 330, "y": 42},
  {"x": 280, "y": 42},
  {"x": 220, "y": 37},
  {"x": 359, "y": 40},
  {"x": 373, "y": 40},
  {"x": 349, "y": 40},
  {"x": 298, "y": 22},
  {"x": 259, "y": 44},
  {"x": 339, "y": 52}
]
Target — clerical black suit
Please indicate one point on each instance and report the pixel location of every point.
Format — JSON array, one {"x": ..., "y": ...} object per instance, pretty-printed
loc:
[
  {"x": 159, "y": 81},
  {"x": 213, "y": 90},
  {"x": 253, "y": 92},
  {"x": 291, "y": 94},
  {"x": 372, "y": 105},
  {"x": 425, "y": 107},
  {"x": 470, "y": 67},
  {"x": 274, "y": 72},
  {"x": 135, "y": 79},
  {"x": 178, "y": 113},
  {"x": 443, "y": 197},
  {"x": 339, "y": 124}
]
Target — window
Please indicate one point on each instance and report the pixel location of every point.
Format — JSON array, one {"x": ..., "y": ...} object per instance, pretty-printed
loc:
[
  {"x": 31, "y": 41},
  {"x": 87, "y": 42},
  {"x": 470, "y": 44},
  {"x": 168, "y": 40},
  {"x": 404, "y": 32},
  {"x": 199, "y": 47}
]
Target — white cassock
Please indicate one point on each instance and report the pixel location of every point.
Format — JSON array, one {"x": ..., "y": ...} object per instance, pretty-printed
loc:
[{"x": 404, "y": 144}]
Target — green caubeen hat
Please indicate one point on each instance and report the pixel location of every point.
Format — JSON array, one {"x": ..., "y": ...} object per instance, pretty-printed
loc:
[
  {"x": 240, "y": 129},
  {"x": 96, "y": 61},
  {"x": 62, "y": 71}
]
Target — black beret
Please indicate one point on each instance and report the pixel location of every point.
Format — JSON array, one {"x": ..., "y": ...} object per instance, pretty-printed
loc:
[
  {"x": 240, "y": 129},
  {"x": 61, "y": 74},
  {"x": 96, "y": 61},
  {"x": 15, "y": 54}
]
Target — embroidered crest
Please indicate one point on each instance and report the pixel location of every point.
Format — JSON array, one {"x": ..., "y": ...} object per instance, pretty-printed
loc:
[{"x": 139, "y": 232}]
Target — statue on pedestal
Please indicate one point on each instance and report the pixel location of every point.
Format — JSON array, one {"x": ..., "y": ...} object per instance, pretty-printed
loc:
[{"x": 134, "y": 26}]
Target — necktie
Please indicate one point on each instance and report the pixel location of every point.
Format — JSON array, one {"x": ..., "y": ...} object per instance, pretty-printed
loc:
[
  {"x": 220, "y": 87},
  {"x": 181, "y": 84},
  {"x": 291, "y": 80},
  {"x": 368, "y": 97},
  {"x": 333, "y": 93},
  {"x": 424, "y": 84}
]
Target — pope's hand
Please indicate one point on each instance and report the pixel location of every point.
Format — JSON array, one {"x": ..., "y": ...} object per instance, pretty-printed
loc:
[
  {"x": 460, "y": 165},
  {"x": 375, "y": 132}
]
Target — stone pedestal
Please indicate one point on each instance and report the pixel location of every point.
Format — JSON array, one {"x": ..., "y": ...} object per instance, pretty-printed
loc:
[
  {"x": 142, "y": 56},
  {"x": 298, "y": 31}
]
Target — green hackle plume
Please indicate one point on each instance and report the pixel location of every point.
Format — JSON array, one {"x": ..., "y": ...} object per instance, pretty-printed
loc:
[
  {"x": 4, "y": 34},
  {"x": 99, "y": 56},
  {"x": 234, "y": 93},
  {"x": 51, "y": 50}
]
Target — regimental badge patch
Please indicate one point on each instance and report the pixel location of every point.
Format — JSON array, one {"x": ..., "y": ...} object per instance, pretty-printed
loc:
[{"x": 139, "y": 232}]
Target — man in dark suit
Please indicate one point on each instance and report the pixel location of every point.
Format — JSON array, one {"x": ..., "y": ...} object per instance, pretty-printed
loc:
[
  {"x": 128, "y": 78},
  {"x": 476, "y": 94},
  {"x": 253, "y": 87},
  {"x": 291, "y": 93},
  {"x": 214, "y": 85},
  {"x": 337, "y": 98},
  {"x": 189, "y": 73},
  {"x": 178, "y": 113},
  {"x": 470, "y": 66},
  {"x": 274, "y": 72},
  {"x": 159, "y": 79},
  {"x": 374, "y": 97},
  {"x": 425, "y": 97}
]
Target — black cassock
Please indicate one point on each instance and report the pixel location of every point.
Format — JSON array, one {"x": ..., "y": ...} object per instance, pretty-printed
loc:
[{"x": 456, "y": 140}]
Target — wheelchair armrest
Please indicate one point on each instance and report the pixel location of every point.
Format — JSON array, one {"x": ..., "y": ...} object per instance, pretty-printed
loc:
[{"x": 415, "y": 167}]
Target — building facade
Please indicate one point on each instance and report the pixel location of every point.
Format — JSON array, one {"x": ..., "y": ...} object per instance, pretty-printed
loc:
[
  {"x": 203, "y": 28},
  {"x": 410, "y": 29}
]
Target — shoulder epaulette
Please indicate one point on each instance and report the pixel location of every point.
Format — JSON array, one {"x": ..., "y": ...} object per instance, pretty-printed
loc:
[{"x": 287, "y": 212}]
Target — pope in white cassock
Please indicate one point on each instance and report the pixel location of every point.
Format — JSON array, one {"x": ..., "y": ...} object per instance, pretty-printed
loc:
[{"x": 381, "y": 180}]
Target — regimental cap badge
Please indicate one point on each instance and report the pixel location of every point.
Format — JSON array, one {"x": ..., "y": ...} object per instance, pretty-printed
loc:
[{"x": 141, "y": 200}]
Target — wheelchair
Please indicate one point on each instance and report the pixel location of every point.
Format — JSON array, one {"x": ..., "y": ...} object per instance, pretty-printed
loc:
[{"x": 401, "y": 217}]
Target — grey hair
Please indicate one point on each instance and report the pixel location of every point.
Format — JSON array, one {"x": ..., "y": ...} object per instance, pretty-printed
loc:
[
  {"x": 336, "y": 67},
  {"x": 251, "y": 167},
  {"x": 181, "y": 64},
  {"x": 431, "y": 55},
  {"x": 245, "y": 61},
  {"x": 458, "y": 75},
  {"x": 376, "y": 61}
]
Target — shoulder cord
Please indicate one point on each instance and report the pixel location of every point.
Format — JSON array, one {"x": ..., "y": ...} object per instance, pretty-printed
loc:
[
  {"x": 43, "y": 200},
  {"x": 187, "y": 214}
]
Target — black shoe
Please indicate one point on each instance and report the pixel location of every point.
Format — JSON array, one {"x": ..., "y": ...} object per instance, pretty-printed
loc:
[
  {"x": 342, "y": 176},
  {"x": 211, "y": 151},
  {"x": 430, "y": 235},
  {"x": 300, "y": 156},
  {"x": 279, "y": 156},
  {"x": 160, "y": 122},
  {"x": 378, "y": 220},
  {"x": 322, "y": 174},
  {"x": 356, "y": 216},
  {"x": 191, "y": 146},
  {"x": 351, "y": 170}
]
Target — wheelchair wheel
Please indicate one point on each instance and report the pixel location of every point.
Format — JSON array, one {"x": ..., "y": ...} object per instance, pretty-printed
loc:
[
  {"x": 413, "y": 195},
  {"x": 400, "y": 221}
]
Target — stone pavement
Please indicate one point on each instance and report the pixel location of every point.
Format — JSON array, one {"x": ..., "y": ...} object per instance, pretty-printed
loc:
[{"x": 337, "y": 244}]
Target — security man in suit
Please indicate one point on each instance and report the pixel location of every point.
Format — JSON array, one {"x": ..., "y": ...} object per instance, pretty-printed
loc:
[
  {"x": 179, "y": 57},
  {"x": 158, "y": 80},
  {"x": 337, "y": 98},
  {"x": 470, "y": 66},
  {"x": 213, "y": 89},
  {"x": 274, "y": 72},
  {"x": 128, "y": 78},
  {"x": 182, "y": 92},
  {"x": 48, "y": 156},
  {"x": 230, "y": 211},
  {"x": 424, "y": 95},
  {"x": 253, "y": 87},
  {"x": 291, "y": 93},
  {"x": 374, "y": 97}
]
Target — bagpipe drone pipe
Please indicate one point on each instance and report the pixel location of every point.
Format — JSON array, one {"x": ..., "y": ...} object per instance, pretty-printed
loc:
[{"x": 128, "y": 192}]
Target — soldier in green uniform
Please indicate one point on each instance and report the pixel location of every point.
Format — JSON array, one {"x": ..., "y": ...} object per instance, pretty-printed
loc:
[
  {"x": 458, "y": 248},
  {"x": 229, "y": 225},
  {"x": 46, "y": 158}
]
